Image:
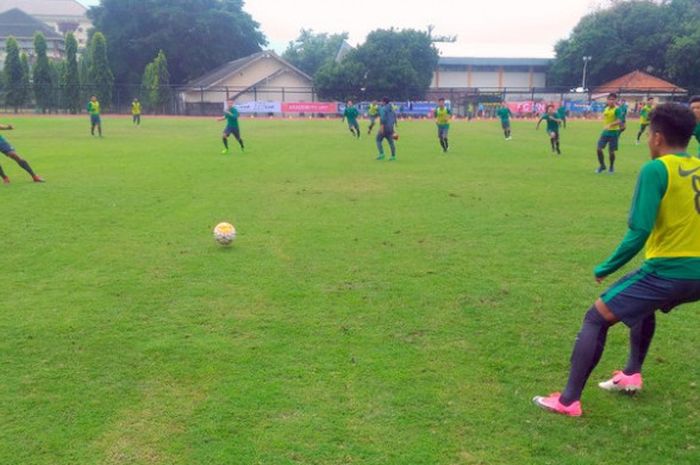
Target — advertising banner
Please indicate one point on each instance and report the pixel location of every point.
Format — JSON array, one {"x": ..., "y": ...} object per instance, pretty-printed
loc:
[
  {"x": 259, "y": 107},
  {"x": 310, "y": 107}
]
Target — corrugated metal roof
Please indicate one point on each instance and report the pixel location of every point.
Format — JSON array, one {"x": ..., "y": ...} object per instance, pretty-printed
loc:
[
  {"x": 484, "y": 61},
  {"x": 45, "y": 7},
  {"x": 18, "y": 24}
]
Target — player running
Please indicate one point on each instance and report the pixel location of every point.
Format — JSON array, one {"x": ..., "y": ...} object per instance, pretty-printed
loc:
[
  {"x": 553, "y": 123},
  {"x": 232, "y": 127},
  {"x": 695, "y": 106},
  {"x": 505, "y": 115},
  {"x": 443, "y": 115},
  {"x": 665, "y": 216},
  {"x": 612, "y": 117},
  {"x": 351, "y": 114},
  {"x": 387, "y": 125},
  {"x": 93, "y": 108},
  {"x": 373, "y": 113},
  {"x": 8, "y": 150},
  {"x": 136, "y": 112},
  {"x": 644, "y": 114}
]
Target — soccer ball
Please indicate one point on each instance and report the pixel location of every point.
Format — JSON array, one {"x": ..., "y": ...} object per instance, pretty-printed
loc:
[
  {"x": 396, "y": 136},
  {"x": 224, "y": 233}
]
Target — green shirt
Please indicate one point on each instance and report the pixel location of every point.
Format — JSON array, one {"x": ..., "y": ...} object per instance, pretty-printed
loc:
[
  {"x": 232, "y": 118},
  {"x": 696, "y": 133},
  {"x": 93, "y": 108},
  {"x": 623, "y": 112},
  {"x": 504, "y": 113},
  {"x": 351, "y": 114},
  {"x": 650, "y": 190},
  {"x": 644, "y": 114},
  {"x": 552, "y": 122},
  {"x": 561, "y": 113}
]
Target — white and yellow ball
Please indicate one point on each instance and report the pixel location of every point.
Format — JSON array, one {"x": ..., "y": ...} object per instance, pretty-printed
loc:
[{"x": 224, "y": 233}]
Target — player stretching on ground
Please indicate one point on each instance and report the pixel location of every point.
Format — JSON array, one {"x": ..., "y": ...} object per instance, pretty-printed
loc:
[
  {"x": 505, "y": 115},
  {"x": 93, "y": 108},
  {"x": 231, "y": 117},
  {"x": 387, "y": 123},
  {"x": 612, "y": 117},
  {"x": 552, "y": 128},
  {"x": 8, "y": 150},
  {"x": 665, "y": 216},
  {"x": 695, "y": 106},
  {"x": 644, "y": 114},
  {"x": 136, "y": 112},
  {"x": 443, "y": 115},
  {"x": 373, "y": 113},
  {"x": 351, "y": 114}
]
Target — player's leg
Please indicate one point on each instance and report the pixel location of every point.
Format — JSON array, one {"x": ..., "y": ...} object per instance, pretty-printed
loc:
[
  {"x": 380, "y": 146},
  {"x": 4, "y": 177},
  {"x": 357, "y": 129},
  {"x": 602, "y": 143},
  {"x": 445, "y": 134},
  {"x": 556, "y": 143},
  {"x": 224, "y": 139},
  {"x": 22, "y": 163},
  {"x": 612, "y": 149},
  {"x": 237, "y": 135},
  {"x": 99, "y": 126},
  {"x": 372, "y": 120},
  {"x": 93, "y": 123},
  {"x": 642, "y": 128},
  {"x": 552, "y": 142},
  {"x": 440, "y": 138},
  {"x": 392, "y": 145}
]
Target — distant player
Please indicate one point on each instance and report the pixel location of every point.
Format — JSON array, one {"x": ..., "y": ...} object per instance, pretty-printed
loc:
[
  {"x": 443, "y": 115},
  {"x": 624, "y": 109},
  {"x": 8, "y": 150},
  {"x": 93, "y": 108},
  {"x": 136, "y": 112},
  {"x": 505, "y": 115},
  {"x": 695, "y": 106},
  {"x": 351, "y": 115},
  {"x": 553, "y": 123},
  {"x": 387, "y": 125},
  {"x": 373, "y": 113},
  {"x": 231, "y": 117},
  {"x": 644, "y": 115},
  {"x": 612, "y": 118},
  {"x": 561, "y": 114},
  {"x": 665, "y": 216}
]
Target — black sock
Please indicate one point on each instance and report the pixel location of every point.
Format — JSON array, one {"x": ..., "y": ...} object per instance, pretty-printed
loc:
[
  {"x": 612, "y": 160},
  {"x": 447, "y": 144},
  {"x": 225, "y": 142},
  {"x": 442, "y": 143},
  {"x": 639, "y": 135},
  {"x": 2, "y": 173},
  {"x": 556, "y": 141},
  {"x": 588, "y": 349},
  {"x": 601, "y": 159},
  {"x": 552, "y": 143},
  {"x": 25, "y": 166},
  {"x": 641, "y": 335},
  {"x": 240, "y": 142}
]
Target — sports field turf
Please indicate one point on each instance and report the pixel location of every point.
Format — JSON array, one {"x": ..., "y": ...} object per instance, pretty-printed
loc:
[{"x": 368, "y": 313}]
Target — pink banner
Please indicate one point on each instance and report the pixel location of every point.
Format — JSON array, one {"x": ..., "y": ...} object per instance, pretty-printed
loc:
[
  {"x": 528, "y": 107},
  {"x": 310, "y": 107}
]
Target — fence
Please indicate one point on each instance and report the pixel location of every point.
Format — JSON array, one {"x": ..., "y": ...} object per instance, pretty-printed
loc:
[{"x": 266, "y": 100}]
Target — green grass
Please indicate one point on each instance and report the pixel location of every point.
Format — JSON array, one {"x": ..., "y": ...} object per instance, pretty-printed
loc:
[{"x": 368, "y": 313}]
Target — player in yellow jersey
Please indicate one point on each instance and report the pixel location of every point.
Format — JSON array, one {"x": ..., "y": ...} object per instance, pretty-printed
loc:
[
  {"x": 665, "y": 216},
  {"x": 373, "y": 113},
  {"x": 443, "y": 115},
  {"x": 136, "y": 112},
  {"x": 613, "y": 120},
  {"x": 644, "y": 114}
]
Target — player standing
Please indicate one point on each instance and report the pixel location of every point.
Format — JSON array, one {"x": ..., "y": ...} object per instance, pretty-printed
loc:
[
  {"x": 136, "y": 112},
  {"x": 644, "y": 114},
  {"x": 351, "y": 114},
  {"x": 443, "y": 115},
  {"x": 553, "y": 123},
  {"x": 611, "y": 134},
  {"x": 8, "y": 150},
  {"x": 387, "y": 124},
  {"x": 93, "y": 108},
  {"x": 232, "y": 127},
  {"x": 505, "y": 115},
  {"x": 665, "y": 216},
  {"x": 373, "y": 113}
]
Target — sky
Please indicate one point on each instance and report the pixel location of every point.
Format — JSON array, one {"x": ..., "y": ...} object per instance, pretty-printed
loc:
[{"x": 484, "y": 28}]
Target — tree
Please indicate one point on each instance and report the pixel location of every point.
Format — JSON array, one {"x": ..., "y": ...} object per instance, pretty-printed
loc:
[
  {"x": 58, "y": 70},
  {"x": 13, "y": 77},
  {"x": 397, "y": 64},
  {"x": 196, "y": 35},
  {"x": 25, "y": 88},
  {"x": 41, "y": 74},
  {"x": 100, "y": 75},
  {"x": 310, "y": 51},
  {"x": 71, "y": 76},
  {"x": 156, "y": 83}
]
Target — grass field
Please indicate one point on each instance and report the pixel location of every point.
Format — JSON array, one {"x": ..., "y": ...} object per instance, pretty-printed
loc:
[{"x": 368, "y": 313}]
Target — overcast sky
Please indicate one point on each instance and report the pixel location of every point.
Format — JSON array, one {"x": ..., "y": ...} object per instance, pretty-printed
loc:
[{"x": 493, "y": 28}]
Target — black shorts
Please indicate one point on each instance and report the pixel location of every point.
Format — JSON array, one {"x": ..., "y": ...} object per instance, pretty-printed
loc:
[
  {"x": 6, "y": 148},
  {"x": 608, "y": 139},
  {"x": 639, "y": 294},
  {"x": 231, "y": 130}
]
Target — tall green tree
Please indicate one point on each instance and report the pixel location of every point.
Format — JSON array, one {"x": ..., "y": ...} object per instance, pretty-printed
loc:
[
  {"x": 71, "y": 76},
  {"x": 310, "y": 51},
  {"x": 394, "y": 63},
  {"x": 58, "y": 70},
  {"x": 41, "y": 74},
  {"x": 196, "y": 35},
  {"x": 156, "y": 83},
  {"x": 26, "y": 90},
  {"x": 99, "y": 73},
  {"x": 13, "y": 77}
]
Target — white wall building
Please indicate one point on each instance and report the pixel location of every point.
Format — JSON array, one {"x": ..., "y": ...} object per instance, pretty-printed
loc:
[{"x": 63, "y": 16}]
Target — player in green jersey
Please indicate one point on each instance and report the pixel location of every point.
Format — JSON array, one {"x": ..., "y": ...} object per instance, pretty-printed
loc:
[
  {"x": 612, "y": 118},
  {"x": 387, "y": 129},
  {"x": 8, "y": 150},
  {"x": 644, "y": 115},
  {"x": 443, "y": 115},
  {"x": 505, "y": 115},
  {"x": 695, "y": 106},
  {"x": 93, "y": 108},
  {"x": 373, "y": 113},
  {"x": 624, "y": 109},
  {"x": 561, "y": 114},
  {"x": 232, "y": 127},
  {"x": 664, "y": 220},
  {"x": 351, "y": 114},
  {"x": 553, "y": 123}
]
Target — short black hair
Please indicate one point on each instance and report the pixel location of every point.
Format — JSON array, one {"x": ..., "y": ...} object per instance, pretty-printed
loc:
[
  {"x": 676, "y": 122},
  {"x": 612, "y": 94},
  {"x": 694, "y": 99},
  {"x": 385, "y": 100},
  {"x": 441, "y": 99}
]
